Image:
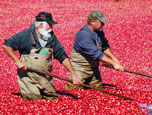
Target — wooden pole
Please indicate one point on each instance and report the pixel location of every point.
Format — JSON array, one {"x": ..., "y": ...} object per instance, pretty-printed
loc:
[
  {"x": 61, "y": 78},
  {"x": 125, "y": 70}
]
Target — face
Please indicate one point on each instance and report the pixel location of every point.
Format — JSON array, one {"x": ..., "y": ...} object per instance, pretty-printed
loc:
[
  {"x": 97, "y": 25},
  {"x": 45, "y": 30}
]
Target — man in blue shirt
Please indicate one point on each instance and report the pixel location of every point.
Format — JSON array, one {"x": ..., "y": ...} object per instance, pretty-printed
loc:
[{"x": 91, "y": 47}]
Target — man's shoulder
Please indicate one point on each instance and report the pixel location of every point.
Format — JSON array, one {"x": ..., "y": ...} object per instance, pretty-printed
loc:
[
  {"x": 23, "y": 32},
  {"x": 83, "y": 36},
  {"x": 21, "y": 36},
  {"x": 83, "y": 33}
]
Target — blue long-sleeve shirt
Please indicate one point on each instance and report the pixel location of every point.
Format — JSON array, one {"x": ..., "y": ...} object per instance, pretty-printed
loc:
[{"x": 85, "y": 43}]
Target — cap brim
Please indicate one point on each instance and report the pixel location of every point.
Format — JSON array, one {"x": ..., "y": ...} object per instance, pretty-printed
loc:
[
  {"x": 103, "y": 19},
  {"x": 51, "y": 22}
]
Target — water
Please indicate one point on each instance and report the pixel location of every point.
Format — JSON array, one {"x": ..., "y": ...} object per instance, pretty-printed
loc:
[{"x": 146, "y": 108}]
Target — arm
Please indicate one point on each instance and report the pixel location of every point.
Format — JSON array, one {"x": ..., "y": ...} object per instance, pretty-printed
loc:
[
  {"x": 11, "y": 53},
  {"x": 60, "y": 54},
  {"x": 112, "y": 60},
  {"x": 109, "y": 53},
  {"x": 66, "y": 62}
]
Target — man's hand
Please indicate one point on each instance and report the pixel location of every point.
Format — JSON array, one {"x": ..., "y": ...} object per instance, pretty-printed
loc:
[
  {"x": 21, "y": 65},
  {"x": 115, "y": 63},
  {"x": 112, "y": 60},
  {"x": 75, "y": 79},
  {"x": 118, "y": 67}
]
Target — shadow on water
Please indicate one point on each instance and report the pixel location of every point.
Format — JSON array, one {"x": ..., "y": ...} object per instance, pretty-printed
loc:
[
  {"x": 67, "y": 94},
  {"x": 58, "y": 92},
  {"x": 109, "y": 86},
  {"x": 17, "y": 94},
  {"x": 146, "y": 108}
]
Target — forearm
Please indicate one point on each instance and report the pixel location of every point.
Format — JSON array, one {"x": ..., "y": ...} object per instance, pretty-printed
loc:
[
  {"x": 112, "y": 60},
  {"x": 108, "y": 60},
  {"x": 11, "y": 53},
  {"x": 66, "y": 62},
  {"x": 109, "y": 53}
]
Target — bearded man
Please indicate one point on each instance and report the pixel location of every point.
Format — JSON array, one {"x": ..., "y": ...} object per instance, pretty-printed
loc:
[{"x": 36, "y": 46}]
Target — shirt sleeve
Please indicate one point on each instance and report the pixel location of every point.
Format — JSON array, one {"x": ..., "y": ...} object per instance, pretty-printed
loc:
[
  {"x": 105, "y": 44},
  {"x": 58, "y": 51},
  {"x": 87, "y": 46},
  {"x": 13, "y": 42}
]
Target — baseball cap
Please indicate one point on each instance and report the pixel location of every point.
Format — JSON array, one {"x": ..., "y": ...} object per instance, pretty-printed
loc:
[
  {"x": 97, "y": 15},
  {"x": 44, "y": 16}
]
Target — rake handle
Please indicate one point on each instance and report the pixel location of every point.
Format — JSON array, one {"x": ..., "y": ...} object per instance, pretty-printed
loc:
[
  {"x": 125, "y": 70},
  {"x": 61, "y": 78}
]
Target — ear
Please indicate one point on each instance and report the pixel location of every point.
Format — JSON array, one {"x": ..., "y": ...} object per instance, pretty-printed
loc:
[{"x": 92, "y": 22}]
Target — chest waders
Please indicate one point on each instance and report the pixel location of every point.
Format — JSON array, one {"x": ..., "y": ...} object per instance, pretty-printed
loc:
[
  {"x": 35, "y": 86},
  {"x": 86, "y": 68}
]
